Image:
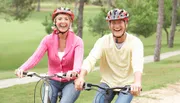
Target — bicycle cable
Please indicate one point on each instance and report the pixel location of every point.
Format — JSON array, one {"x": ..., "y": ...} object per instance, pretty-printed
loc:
[
  {"x": 41, "y": 92},
  {"x": 35, "y": 91}
]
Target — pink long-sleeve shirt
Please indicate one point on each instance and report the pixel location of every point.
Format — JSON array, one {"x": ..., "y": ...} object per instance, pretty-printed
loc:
[{"x": 72, "y": 59}]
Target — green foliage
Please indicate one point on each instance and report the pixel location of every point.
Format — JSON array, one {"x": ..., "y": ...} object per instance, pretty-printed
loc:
[
  {"x": 48, "y": 24},
  {"x": 75, "y": 26},
  {"x": 178, "y": 16},
  {"x": 97, "y": 2},
  {"x": 70, "y": 1},
  {"x": 143, "y": 16},
  {"x": 98, "y": 24},
  {"x": 18, "y": 9},
  {"x": 167, "y": 13}
]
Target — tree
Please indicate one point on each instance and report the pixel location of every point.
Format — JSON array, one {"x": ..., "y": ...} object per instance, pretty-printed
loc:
[
  {"x": 111, "y": 3},
  {"x": 98, "y": 25},
  {"x": 48, "y": 23},
  {"x": 159, "y": 30},
  {"x": 173, "y": 23},
  {"x": 142, "y": 20},
  {"x": 142, "y": 17},
  {"x": 80, "y": 18},
  {"x": 76, "y": 7},
  {"x": 39, "y": 4},
  {"x": 16, "y": 9},
  {"x": 167, "y": 17}
]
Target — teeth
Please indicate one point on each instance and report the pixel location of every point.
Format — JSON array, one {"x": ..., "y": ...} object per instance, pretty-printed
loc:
[
  {"x": 63, "y": 25},
  {"x": 117, "y": 29}
]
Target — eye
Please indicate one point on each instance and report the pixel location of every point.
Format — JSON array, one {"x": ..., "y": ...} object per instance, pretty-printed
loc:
[
  {"x": 113, "y": 22},
  {"x": 59, "y": 18}
]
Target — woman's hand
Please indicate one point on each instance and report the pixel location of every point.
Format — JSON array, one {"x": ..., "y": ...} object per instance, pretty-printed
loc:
[
  {"x": 19, "y": 73},
  {"x": 71, "y": 74}
]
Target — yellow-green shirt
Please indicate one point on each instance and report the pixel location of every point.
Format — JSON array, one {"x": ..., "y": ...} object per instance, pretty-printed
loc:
[{"x": 117, "y": 66}]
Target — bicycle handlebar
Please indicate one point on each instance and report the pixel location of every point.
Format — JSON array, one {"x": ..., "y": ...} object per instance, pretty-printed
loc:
[
  {"x": 88, "y": 86},
  {"x": 125, "y": 89},
  {"x": 59, "y": 75}
]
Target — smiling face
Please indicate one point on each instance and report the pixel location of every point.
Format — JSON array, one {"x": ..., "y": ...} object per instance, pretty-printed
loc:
[
  {"x": 117, "y": 27},
  {"x": 63, "y": 22}
]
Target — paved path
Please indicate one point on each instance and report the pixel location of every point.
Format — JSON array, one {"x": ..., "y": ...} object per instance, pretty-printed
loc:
[
  {"x": 169, "y": 94},
  {"x": 150, "y": 58},
  {"x": 14, "y": 81}
]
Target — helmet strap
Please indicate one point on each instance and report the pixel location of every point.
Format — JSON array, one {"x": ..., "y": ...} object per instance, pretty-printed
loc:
[
  {"x": 63, "y": 32},
  {"x": 116, "y": 37}
]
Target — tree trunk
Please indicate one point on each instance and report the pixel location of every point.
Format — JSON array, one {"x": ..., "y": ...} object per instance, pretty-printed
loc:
[
  {"x": 159, "y": 30},
  {"x": 173, "y": 23},
  {"x": 80, "y": 19},
  {"x": 38, "y": 6},
  {"x": 110, "y": 4},
  {"x": 17, "y": 10},
  {"x": 167, "y": 35},
  {"x": 76, "y": 7}
]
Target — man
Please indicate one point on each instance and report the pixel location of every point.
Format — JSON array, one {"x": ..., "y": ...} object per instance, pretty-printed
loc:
[{"x": 121, "y": 60}]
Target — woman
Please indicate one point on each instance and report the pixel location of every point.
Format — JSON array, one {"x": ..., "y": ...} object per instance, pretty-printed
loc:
[{"x": 65, "y": 54}]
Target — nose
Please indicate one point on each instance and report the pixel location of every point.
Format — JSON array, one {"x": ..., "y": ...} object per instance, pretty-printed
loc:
[
  {"x": 116, "y": 26},
  {"x": 63, "y": 20}
]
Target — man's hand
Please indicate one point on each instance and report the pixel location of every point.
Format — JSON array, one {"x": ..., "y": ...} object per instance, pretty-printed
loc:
[
  {"x": 136, "y": 89},
  {"x": 79, "y": 83}
]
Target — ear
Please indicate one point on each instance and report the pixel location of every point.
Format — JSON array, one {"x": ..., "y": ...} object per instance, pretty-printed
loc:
[
  {"x": 54, "y": 22},
  {"x": 126, "y": 24},
  {"x": 109, "y": 24},
  {"x": 70, "y": 18}
]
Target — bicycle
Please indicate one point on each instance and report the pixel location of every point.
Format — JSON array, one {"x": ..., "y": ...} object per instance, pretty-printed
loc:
[
  {"x": 89, "y": 86},
  {"x": 45, "y": 79}
]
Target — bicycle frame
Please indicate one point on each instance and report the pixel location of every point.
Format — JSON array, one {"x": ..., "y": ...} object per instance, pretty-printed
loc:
[
  {"x": 45, "y": 79},
  {"x": 46, "y": 93}
]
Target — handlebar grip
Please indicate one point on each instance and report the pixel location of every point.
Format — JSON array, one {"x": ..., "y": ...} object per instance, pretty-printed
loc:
[
  {"x": 62, "y": 75},
  {"x": 25, "y": 73},
  {"x": 87, "y": 86}
]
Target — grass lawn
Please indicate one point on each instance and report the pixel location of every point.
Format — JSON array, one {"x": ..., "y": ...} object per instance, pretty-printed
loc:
[{"x": 156, "y": 75}]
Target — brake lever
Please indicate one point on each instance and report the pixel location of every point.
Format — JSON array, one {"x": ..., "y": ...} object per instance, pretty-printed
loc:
[
  {"x": 61, "y": 75},
  {"x": 127, "y": 90},
  {"x": 87, "y": 86},
  {"x": 30, "y": 74}
]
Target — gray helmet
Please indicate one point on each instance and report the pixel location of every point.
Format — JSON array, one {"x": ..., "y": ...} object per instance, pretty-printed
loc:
[{"x": 116, "y": 14}]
